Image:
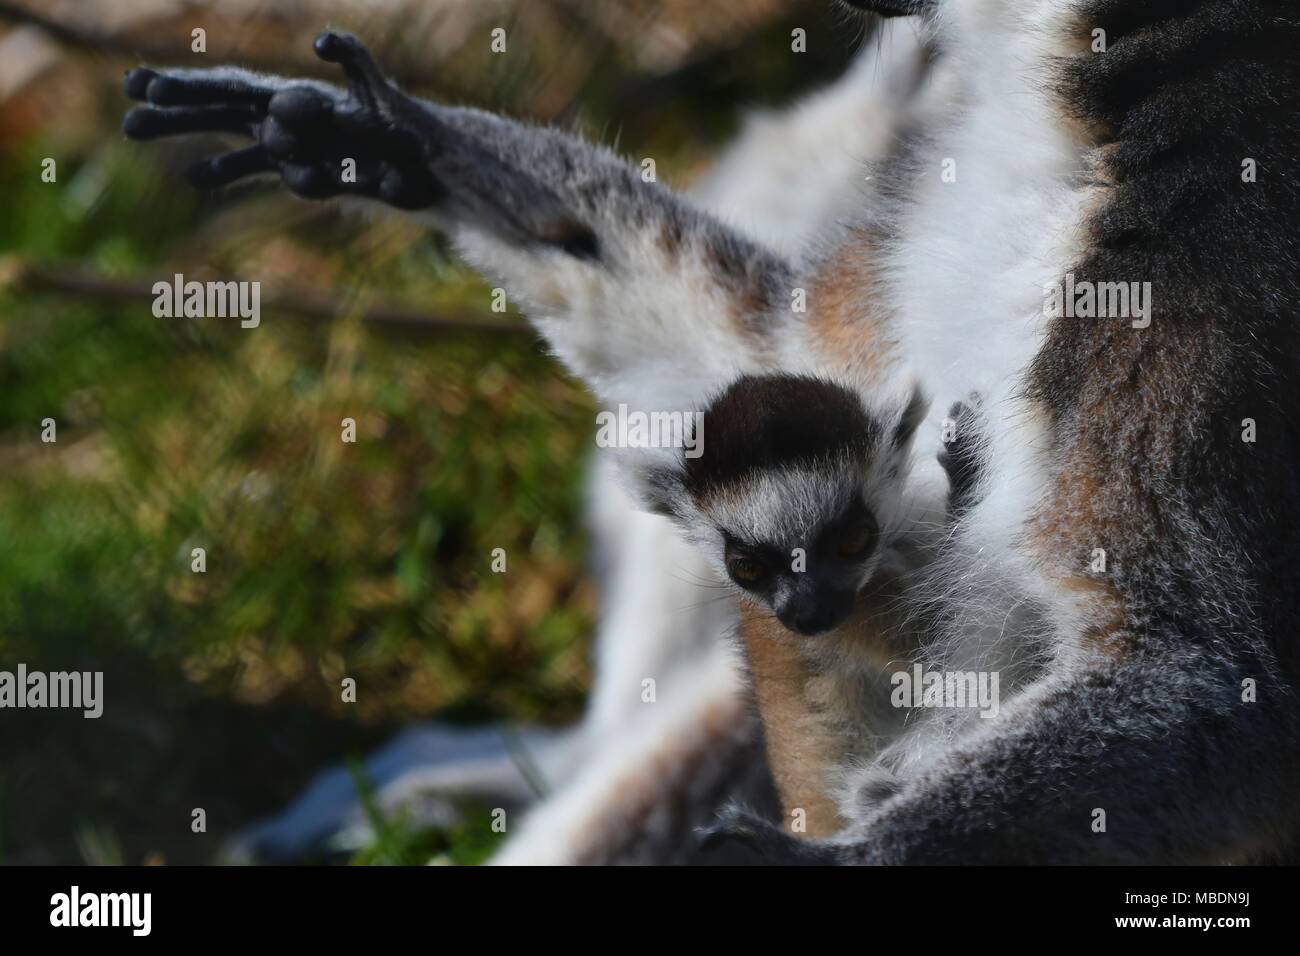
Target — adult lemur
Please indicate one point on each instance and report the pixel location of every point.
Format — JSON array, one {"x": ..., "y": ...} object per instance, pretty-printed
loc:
[{"x": 1129, "y": 566}]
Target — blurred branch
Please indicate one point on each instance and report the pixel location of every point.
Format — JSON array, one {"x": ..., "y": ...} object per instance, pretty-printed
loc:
[
  {"x": 89, "y": 38},
  {"x": 157, "y": 46},
  {"x": 72, "y": 280}
]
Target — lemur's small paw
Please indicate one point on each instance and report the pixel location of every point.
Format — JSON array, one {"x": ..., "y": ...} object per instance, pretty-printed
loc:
[
  {"x": 968, "y": 413},
  {"x": 963, "y": 453}
]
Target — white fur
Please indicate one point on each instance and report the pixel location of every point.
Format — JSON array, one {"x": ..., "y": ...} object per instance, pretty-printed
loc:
[
  {"x": 644, "y": 758},
  {"x": 964, "y": 285},
  {"x": 794, "y": 173}
]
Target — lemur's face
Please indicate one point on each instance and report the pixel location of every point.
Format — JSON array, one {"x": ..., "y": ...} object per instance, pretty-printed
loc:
[
  {"x": 794, "y": 493},
  {"x": 810, "y": 577}
]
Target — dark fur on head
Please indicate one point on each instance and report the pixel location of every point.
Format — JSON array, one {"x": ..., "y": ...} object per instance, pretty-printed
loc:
[
  {"x": 889, "y": 8},
  {"x": 766, "y": 422}
]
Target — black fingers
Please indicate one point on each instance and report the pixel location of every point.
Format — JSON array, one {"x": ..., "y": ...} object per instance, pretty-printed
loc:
[
  {"x": 368, "y": 82},
  {"x": 220, "y": 100},
  {"x": 222, "y": 86},
  {"x": 225, "y": 169},
  {"x": 148, "y": 122},
  {"x": 137, "y": 82}
]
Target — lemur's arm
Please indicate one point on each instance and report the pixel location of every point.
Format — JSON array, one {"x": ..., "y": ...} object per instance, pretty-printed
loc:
[{"x": 665, "y": 297}]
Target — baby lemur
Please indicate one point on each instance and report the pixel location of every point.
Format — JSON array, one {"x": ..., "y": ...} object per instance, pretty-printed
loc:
[{"x": 797, "y": 501}]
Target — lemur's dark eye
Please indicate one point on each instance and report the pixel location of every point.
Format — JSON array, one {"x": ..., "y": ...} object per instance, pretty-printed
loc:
[
  {"x": 856, "y": 541},
  {"x": 746, "y": 571}
]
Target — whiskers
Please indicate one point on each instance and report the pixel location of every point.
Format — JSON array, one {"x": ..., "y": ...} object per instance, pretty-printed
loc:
[{"x": 723, "y": 591}]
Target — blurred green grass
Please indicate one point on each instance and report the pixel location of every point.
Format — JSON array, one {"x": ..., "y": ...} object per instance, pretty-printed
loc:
[
  {"x": 176, "y": 434},
  {"x": 325, "y": 560}
]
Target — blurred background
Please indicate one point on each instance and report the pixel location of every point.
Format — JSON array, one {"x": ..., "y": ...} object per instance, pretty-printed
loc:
[{"x": 324, "y": 560}]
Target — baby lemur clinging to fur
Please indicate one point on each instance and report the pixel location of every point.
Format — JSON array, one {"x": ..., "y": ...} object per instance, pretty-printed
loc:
[{"x": 797, "y": 500}]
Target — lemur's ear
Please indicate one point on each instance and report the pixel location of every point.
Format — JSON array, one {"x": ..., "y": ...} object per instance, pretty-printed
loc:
[
  {"x": 913, "y": 415},
  {"x": 656, "y": 485}
]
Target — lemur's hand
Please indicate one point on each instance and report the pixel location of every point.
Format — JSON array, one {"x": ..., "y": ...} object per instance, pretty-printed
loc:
[
  {"x": 962, "y": 458},
  {"x": 522, "y": 185},
  {"x": 305, "y": 130}
]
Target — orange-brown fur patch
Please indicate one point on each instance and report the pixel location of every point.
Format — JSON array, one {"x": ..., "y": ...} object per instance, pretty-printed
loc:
[
  {"x": 845, "y": 318},
  {"x": 801, "y": 751},
  {"x": 1088, "y": 132},
  {"x": 747, "y": 287},
  {"x": 1077, "y": 40},
  {"x": 1104, "y": 631},
  {"x": 747, "y": 295},
  {"x": 1069, "y": 526}
]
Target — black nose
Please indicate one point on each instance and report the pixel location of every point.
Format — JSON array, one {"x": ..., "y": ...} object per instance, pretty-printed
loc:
[{"x": 816, "y": 612}]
